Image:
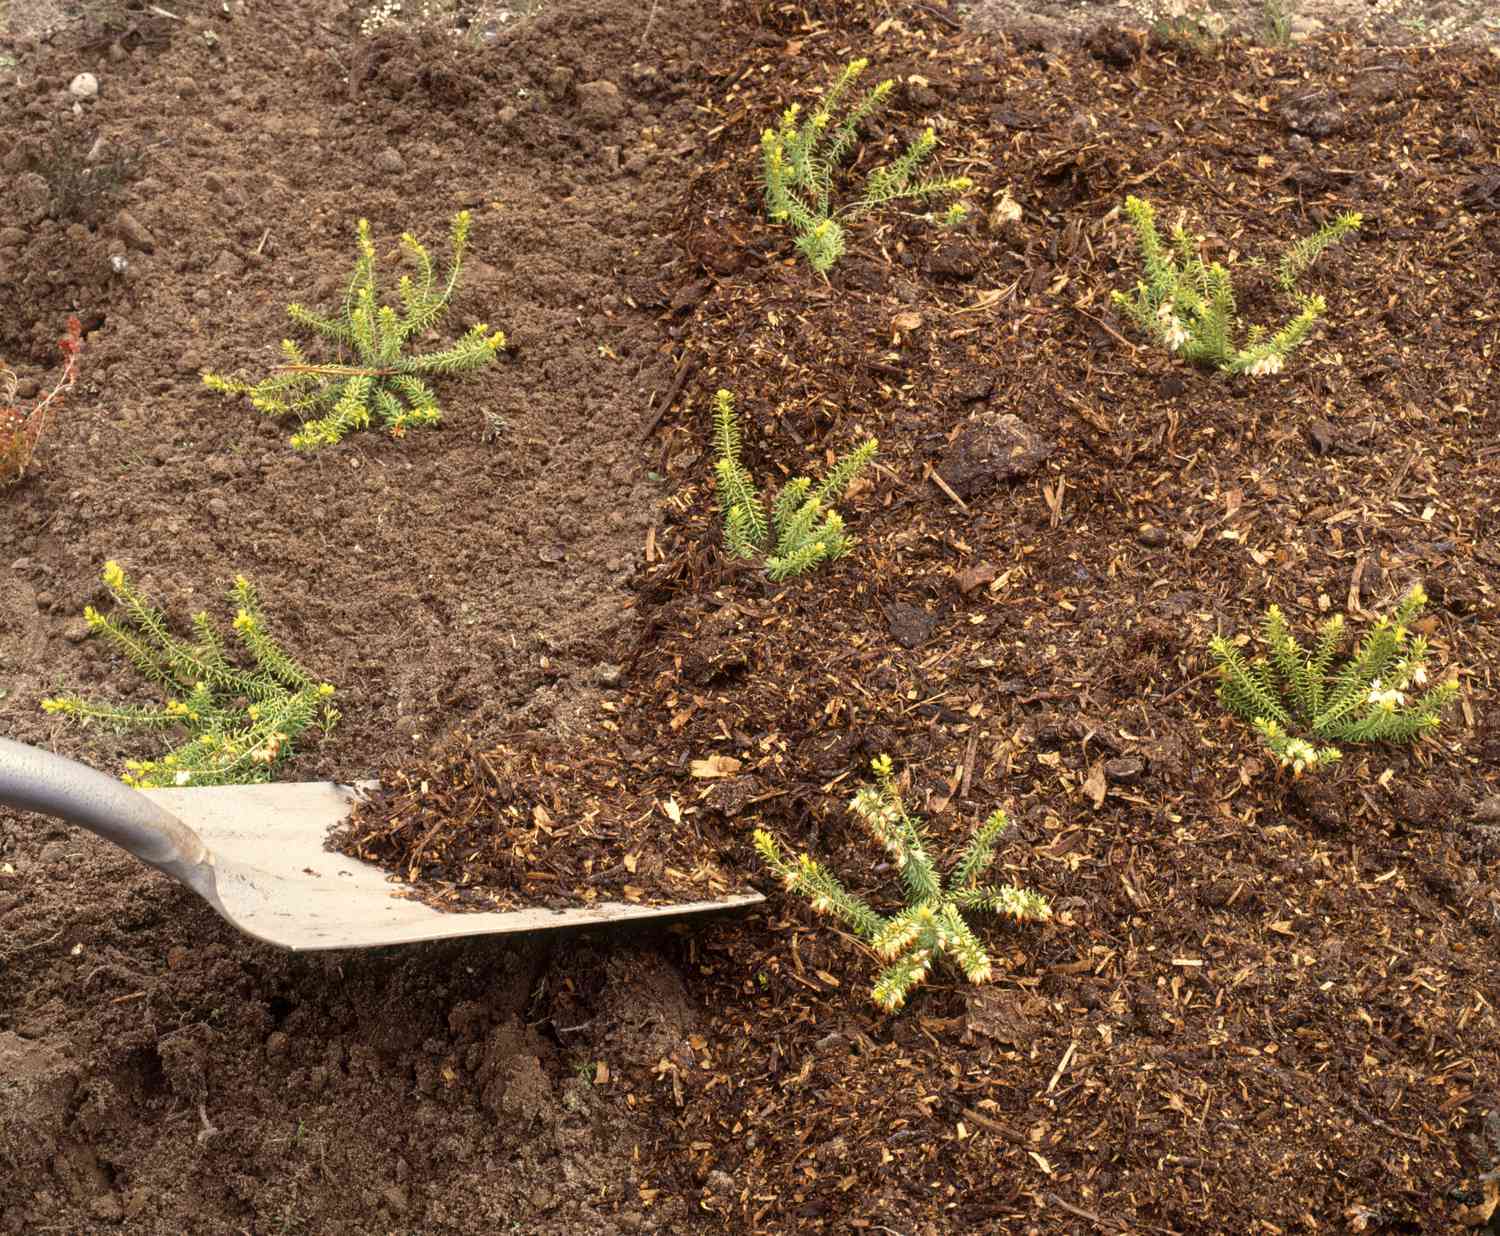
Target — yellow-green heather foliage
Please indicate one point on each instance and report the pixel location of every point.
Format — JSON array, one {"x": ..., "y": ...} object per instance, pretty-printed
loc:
[
  {"x": 237, "y": 724},
  {"x": 1187, "y": 305},
  {"x": 803, "y": 529},
  {"x": 801, "y": 156},
  {"x": 1297, "y": 699},
  {"x": 932, "y": 925},
  {"x": 335, "y": 398}
]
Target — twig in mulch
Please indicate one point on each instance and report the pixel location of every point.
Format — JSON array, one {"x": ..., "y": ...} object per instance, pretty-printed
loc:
[
  {"x": 969, "y": 752},
  {"x": 1382, "y": 1126},
  {"x": 937, "y": 15},
  {"x": 1178, "y": 690},
  {"x": 208, "y": 1130},
  {"x": 684, "y": 368},
  {"x": 936, "y": 478},
  {"x": 41, "y": 943}
]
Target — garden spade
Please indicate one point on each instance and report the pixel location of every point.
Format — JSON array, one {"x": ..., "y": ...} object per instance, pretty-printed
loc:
[{"x": 255, "y": 854}]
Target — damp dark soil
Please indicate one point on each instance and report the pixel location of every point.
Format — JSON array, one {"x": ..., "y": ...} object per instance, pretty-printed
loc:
[{"x": 1262, "y": 1005}]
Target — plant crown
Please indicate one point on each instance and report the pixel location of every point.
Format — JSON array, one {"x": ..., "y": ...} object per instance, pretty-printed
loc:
[
  {"x": 239, "y": 723},
  {"x": 803, "y": 529},
  {"x": 800, "y": 157},
  {"x": 932, "y": 924},
  {"x": 1188, "y": 305},
  {"x": 333, "y": 399},
  {"x": 1296, "y": 698},
  {"x": 21, "y": 429}
]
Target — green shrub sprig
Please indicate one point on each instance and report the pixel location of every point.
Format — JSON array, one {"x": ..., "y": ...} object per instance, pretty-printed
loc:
[
  {"x": 932, "y": 925},
  {"x": 240, "y": 723},
  {"x": 1188, "y": 306},
  {"x": 1296, "y": 698},
  {"x": 335, "y": 398},
  {"x": 800, "y": 157},
  {"x": 803, "y": 529}
]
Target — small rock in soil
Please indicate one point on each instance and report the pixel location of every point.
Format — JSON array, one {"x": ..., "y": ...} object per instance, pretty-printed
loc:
[
  {"x": 910, "y": 625},
  {"x": 991, "y": 449},
  {"x": 76, "y": 631},
  {"x": 1114, "y": 46},
  {"x": 1313, "y": 115},
  {"x": 84, "y": 86},
  {"x": 1125, "y": 769},
  {"x": 390, "y": 161},
  {"x": 32, "y": 196},
  {"x": 600, "y": 103},
  {"x": 954, "y": 260},
  {"x": 1151, "y": 536},
  {"x": 134, "y": 233}
]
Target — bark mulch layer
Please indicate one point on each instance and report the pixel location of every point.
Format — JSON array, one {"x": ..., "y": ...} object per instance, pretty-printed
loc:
[
  {"x": 522, "y": 823},
  {"x": 1263, "y": 1006}
]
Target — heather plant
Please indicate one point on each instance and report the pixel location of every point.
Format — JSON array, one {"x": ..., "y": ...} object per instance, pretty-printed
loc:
[
  {"x": 237, "y": 722},
  {"x": 335, "y": 398},
  {"x": 803, "y": 528},
  {"x": 83, "y": 184},
  {"x": 1296, "y": 698},
  {"x": 1188, "y": 305},
  {"x": 932, "y": 925},
  {"x": 802, "y": 155},
  {"x": 21, "y": 428}
]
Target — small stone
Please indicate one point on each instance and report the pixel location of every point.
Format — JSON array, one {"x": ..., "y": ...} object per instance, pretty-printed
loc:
[
  {"x": 32, "y": 195},
  {"x": 12, "y": 237},
  {"x": 84, "y": 86},
  {"x": 396, "y": 1197},
  {"x": 1314, "y": 115},
  {"x": 76, "y": 631},
  {"x": 134, "y": 233},
  {"x": 1125, "y": 769},
  {"x": 228, "y": 264},
  {"x": 910, "y": 625},
  {"x": 560, "y": 82},
  {"x": 954, "y": 260},
  {"x": 218, "y": 508},
  {"x": 600, "y": 103},
  {"x": 507, "y": 116},
  {"x": 1488, "y": 811},
  {"x": 991, "y": 448},
  {"x": 277, "y": 1044},
  {"x": 390, "y": 161},
  {"x": 609, "y": 676},
  {"x": 1151, "y": 536}
]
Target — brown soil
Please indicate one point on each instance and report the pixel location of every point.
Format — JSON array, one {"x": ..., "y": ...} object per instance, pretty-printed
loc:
[{"x": 1262, "y": 1006}]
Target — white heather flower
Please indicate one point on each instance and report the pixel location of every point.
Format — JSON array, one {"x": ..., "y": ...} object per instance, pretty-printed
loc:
[
  {"x": 1389, "y": 699},
  {"x": 182, "y": 778},
  {"x": 1300, "y": 754},
  {"x": 1174, "y": 334},
  {"x": 1271, "y": 362},
  {"x": 1419, "y": 675}
]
